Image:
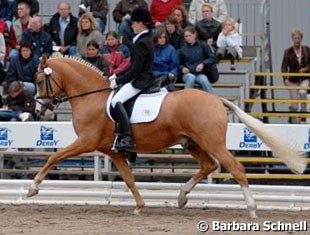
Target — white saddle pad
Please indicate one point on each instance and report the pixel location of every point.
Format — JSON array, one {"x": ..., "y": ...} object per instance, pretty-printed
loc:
[{"x": 146, "y": 107}]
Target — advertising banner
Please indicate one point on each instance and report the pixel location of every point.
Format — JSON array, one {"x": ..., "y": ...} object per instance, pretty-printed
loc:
[{"x": 61, "y": 134}]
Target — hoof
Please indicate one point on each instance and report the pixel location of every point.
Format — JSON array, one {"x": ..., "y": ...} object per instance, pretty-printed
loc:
[
  {"x": 137, "y": 212},
  {"x": 253, "y": 215},
  {"x": 182, "y": 200},
  {"x": 32, "y": 192}
]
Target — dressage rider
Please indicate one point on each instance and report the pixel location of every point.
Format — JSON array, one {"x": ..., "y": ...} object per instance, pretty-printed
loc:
[{"x": 137, "y": 78}]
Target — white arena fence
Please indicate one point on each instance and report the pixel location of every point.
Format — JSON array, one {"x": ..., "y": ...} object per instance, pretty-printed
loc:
[
  {"x": 60, "y": 134},
  {"x": 294, "y": 198}
]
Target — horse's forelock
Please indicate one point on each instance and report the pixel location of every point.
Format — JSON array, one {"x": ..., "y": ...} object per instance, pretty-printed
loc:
[{"x": 43, "y": 63}]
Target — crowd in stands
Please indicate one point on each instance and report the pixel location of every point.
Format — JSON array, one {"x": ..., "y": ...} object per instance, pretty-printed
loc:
[{"x": 188, "y": 44}]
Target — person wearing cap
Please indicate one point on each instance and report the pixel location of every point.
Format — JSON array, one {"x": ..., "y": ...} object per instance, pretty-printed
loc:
[
  {"x": 20, "y": 104},
  {"x": 137, "y": 78}
]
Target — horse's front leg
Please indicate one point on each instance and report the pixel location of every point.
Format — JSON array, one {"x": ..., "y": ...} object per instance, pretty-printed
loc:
[
  {"x": 73, "y": 149},
  {"x": 125, "y": 171}
]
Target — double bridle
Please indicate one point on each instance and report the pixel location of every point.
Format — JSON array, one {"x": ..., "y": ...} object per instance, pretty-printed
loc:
[{"x": 56, "y": 100}]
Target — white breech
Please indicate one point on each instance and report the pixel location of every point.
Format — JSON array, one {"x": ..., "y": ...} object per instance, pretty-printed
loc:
[{"x": 126, "y": 92}]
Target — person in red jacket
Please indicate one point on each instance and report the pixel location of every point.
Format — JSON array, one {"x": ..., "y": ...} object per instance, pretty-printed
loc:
[
  {"x": 161, "y": 9},
  {"x": 6, "y": 34}
]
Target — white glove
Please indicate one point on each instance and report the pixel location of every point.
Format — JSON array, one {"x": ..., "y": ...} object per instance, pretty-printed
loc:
[
  {"x": 127, "y": 17},
  {"x": 112, "y": 80}
]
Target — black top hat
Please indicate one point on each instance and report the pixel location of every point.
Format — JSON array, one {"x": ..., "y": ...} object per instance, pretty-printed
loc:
[{"x": 141, "y": 14}]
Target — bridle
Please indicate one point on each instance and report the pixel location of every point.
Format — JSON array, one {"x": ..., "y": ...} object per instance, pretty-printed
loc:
[{"x": 56, "y": 100}]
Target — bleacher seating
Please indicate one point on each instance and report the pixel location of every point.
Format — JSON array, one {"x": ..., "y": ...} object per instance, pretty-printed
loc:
[{"x": 274, "y": 101}]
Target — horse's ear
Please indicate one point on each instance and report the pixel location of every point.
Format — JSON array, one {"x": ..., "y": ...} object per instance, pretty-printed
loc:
[{"x": 43, "y": 64}]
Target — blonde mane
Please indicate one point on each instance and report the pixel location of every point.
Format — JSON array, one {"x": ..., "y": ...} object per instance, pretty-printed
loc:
[{"x": 77, "y": 59}]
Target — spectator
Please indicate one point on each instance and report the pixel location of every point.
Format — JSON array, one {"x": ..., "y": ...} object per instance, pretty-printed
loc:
[
  {"x": 181, "y": 16},
  {"x": 296, "y": 59},
  {"x": 87, "y": 32},
  {"x": 99, "y": 9},
  {"x": 3, "y": 8},
  {"x": 37, "y": 37},
  {"x": 9, "y": 12},
  {"x": 2, "y": 49},
  {"x": 6, "y": 35},
  {"x": 122, "y": 16},
  {"x": 195, "y": 58},
  {"x": 161, "y": 9},
  {"x": 19, "y": 26},
  {"x": 229, "y": 43},
  {"x": 208, "y": 29},
  {"x": 166, "y": 60},
  {"x": 94, "y": 57},
  {"x": 20, "y": 104},
  {"x": 118, "y": 55},
  {"x": 5, "y": 13},
  {"x": 2, "y": 57},
  {"x": 33, "y": 5},
  {"x": 175, "y": 32},
  {"x": 63, "y": 29},
  {"x": 24, "y": 67},
  {"x": 219, "y": 10}
]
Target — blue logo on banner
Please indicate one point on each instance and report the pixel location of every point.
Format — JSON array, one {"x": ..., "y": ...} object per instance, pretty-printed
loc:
[
  {"x": 249, "y": 140},
  {"x": 47, "y": 137},
  {"x": 4, "y": 137},
  {"x": 47, "y": 133},
  {"x": 307, "y": 145},
  {"x": 249, "y": 136}
]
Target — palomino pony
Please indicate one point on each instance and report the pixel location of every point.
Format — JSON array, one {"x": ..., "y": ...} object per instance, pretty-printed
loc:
[{"x": 195, "y": 119}]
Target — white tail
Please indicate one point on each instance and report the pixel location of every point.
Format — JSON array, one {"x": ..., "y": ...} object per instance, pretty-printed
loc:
[{"x": 293, "y": 159}]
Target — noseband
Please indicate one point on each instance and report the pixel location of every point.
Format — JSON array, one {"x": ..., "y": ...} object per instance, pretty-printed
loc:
[{"x": 56, "y": 100}]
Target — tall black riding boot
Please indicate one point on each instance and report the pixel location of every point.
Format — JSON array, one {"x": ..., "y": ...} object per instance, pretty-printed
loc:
[{"x": 125, "y": 142}]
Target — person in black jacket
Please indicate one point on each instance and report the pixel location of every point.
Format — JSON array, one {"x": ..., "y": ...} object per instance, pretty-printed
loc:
[
  {"x": 137, "y": 78},
  {"x": 63, "y": 29},
  {"x": 24, "y": 67},
  {"x": 95, "y": 58},
  {"x": 175, "y": 32},
  {"x": 35, "y": 35},
  {"x": 195, "y": 58},
  {"x": 208, "y": 29}
]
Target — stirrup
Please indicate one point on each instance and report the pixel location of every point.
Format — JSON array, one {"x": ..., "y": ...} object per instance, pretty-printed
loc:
[{"x": 124, "y": 144}]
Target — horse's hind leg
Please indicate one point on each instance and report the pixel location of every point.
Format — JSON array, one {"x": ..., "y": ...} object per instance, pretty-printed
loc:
[
  {"x": 122, "y": 165},
  {"x": 207, "y": 165},
  {"x": 238, "y": 172}
]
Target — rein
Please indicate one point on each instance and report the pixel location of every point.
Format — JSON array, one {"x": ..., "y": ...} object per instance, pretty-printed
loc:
[{"x": 56, "y": 100}]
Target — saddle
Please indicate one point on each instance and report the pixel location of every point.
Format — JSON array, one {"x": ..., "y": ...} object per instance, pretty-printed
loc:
[{"x": 143, "y": 107}]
